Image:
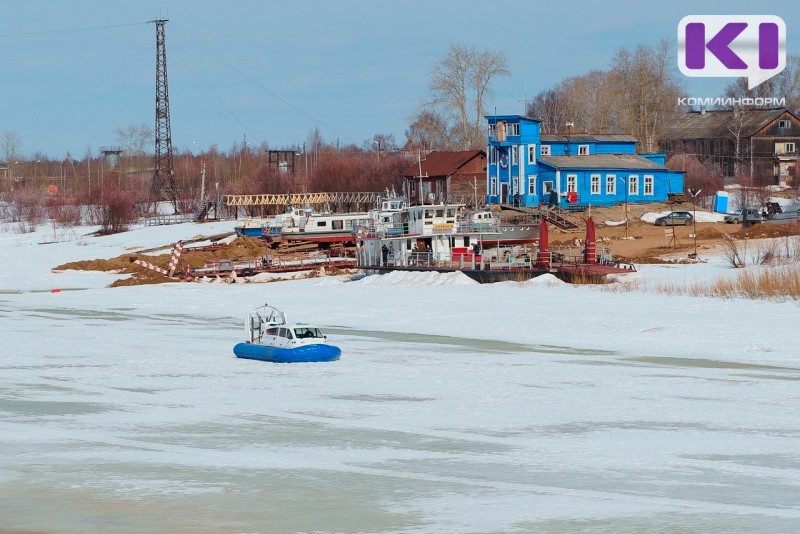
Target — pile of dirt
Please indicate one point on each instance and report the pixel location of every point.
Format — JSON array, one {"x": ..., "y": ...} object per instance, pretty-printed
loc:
[
  {"x": 240, "y": 249},
  {"x": 768, "y": 230},
  {"x": 709, "y": 233}
]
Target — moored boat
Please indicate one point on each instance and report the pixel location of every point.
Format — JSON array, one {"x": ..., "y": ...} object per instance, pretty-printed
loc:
[
  {"x": 514, "y": 231},
  {"x": 304, "y": 225},
  {"x": 271, "y": 338},
  {"x": 250, "y": 227}
]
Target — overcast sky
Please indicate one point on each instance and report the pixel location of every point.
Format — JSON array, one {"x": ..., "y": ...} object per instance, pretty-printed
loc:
[{"x": 71, "y": 73}]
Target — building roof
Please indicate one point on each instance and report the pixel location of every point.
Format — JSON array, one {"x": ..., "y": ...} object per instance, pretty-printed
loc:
[
  {"x": 510, "y": 117},
  {"x": 720, "y": 123},
  {"x": 599, "y": 138},
  {"x": 601, "y": 161},
  {"x": 442, "y": 163}
]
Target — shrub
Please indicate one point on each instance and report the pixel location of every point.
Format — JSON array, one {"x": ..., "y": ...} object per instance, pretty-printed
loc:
[
  {"x": 116, "y": 212},
  {"x": 25, "y": 206}
]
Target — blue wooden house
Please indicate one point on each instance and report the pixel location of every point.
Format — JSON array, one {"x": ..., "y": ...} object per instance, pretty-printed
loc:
[{"x": 528, "y": 167}]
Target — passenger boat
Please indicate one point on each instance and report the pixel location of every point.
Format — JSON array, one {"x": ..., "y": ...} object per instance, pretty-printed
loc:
[
  {"x": 416, "y": 235},
  {"x": 302, "y": 224},
  {"x": 511, "y": 231},
  {"x": 271, "y": 338},
  {"x": 305, "y": 225}
]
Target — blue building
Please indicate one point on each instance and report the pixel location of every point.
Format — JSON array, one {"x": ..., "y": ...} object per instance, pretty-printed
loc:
[{"x": 600, "y": 170}]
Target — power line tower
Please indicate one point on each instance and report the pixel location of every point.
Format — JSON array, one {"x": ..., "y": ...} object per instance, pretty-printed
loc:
[{"x": 163, "y": 187}]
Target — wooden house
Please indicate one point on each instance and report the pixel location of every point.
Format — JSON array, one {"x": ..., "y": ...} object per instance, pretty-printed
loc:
[
  {"x": 447, "y": 176},
  {"x": 761, "y": 143}
]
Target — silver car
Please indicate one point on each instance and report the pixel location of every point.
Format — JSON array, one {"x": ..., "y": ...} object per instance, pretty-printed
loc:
[
  {"x": 753, "y": 216},
  {"x": 676, "y": 218}
]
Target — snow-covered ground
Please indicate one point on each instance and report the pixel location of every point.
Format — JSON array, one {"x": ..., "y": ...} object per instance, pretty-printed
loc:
[{"x": 456, "y": 407}]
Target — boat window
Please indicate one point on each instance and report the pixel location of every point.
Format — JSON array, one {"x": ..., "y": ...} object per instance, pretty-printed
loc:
[
  {"x": 284, "y": 332},
  {"x": 307, "y": 332},
  {"x": 274, "y": 331},
  {"x": 440, "y": 213},
  {"x": 429, "y": 214}
]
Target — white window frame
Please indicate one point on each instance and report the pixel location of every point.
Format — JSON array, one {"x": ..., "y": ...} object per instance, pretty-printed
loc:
[
  {"x": 789, "y": 148},
  {"x": 492, "y": 155},
  {"x": 594, "y": 184},
  {"x": 572, "y": 183},
  {"x": 583, "y": 150},
  {"x": 532, "y": 184},
  {"x": 512, "y": 128},
  {"x": 513, "y": 155},
  {"x": 648, "y": 185},
  {"x": 611, "y": 184},
  {"x": 531, "y": 154},
  {"x": 784, "y": 123},
  {"x": 494, "y": 186},
  {"x": 633, "y": 185},
  {"x": 545, "y": 150},
  {"x": 547, "y": 187}
]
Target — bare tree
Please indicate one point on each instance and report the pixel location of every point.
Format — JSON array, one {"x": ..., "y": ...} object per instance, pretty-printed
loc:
[
  {"x": 553, "y": 108},
  {"x": 428, "y": 130},
  {"x": 134, "y": 141},
  {"x": 786, "y": 84},
  {"x": 648, "y": 87},
  {"x": 11, "y": 148},
  {"x": 380, "y": 143},
  {"x": 637, "y": 96},
  {"x": 700, "y": 175},
  {"x": 460, "y": 84}
]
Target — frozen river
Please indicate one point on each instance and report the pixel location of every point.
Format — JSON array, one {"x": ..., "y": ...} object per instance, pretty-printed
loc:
[{"x": 120, "y": 416}]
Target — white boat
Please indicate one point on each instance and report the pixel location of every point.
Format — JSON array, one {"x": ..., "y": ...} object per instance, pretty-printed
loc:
[
  {"x": 301, "y": 224},
  {"x": 429, "y": 234},
  {"x": 271, "y": 338},
  {"x": 415, "y": 235},
  {"x": 511, "y": 231}
]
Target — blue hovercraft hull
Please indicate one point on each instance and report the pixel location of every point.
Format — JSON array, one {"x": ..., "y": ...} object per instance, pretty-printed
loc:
[{"x": 306, "y": 353}]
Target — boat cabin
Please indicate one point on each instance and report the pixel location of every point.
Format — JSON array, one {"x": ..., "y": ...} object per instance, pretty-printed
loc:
[{"x": 298, "y": 332}]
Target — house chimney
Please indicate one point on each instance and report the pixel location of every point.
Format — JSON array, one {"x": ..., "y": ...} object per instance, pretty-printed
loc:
[{"x": 702, "y": 110}]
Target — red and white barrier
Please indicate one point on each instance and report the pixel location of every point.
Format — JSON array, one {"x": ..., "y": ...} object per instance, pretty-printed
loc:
[{"x": 173, "y": 262}]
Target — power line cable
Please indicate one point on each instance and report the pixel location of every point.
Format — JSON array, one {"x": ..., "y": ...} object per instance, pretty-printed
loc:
[
  {"x": 49, "y": 33},
  {"x": 257, "y": 84},
  {"x": 214, "y": 99}
]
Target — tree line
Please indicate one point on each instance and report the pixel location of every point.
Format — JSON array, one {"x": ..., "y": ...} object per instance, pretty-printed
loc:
[{"x": 637, "y": 95}]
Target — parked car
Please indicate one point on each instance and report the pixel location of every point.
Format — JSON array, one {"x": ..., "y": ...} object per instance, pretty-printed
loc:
[
  {"x": 676, "y": 218},
  {"x": 753, "y": 216},
  {"x": 734, "y": 218}
]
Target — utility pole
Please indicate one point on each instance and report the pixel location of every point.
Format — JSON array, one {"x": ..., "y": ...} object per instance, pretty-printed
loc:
[
  {"x": 163, "y": 176},
  {"x": 694, "y": 194}
]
